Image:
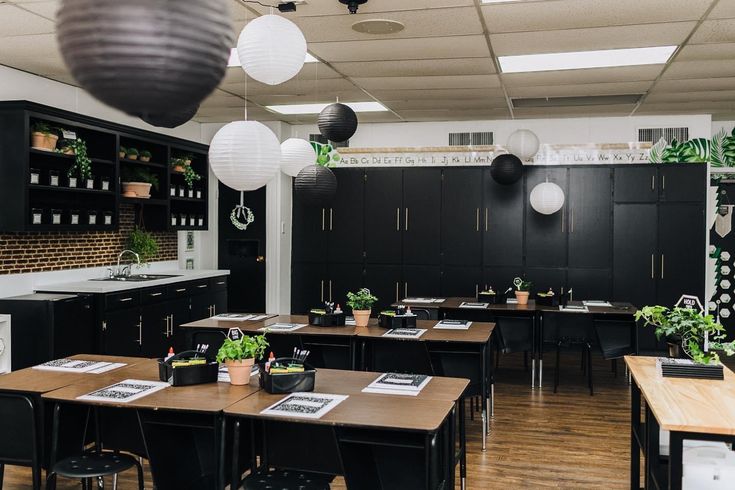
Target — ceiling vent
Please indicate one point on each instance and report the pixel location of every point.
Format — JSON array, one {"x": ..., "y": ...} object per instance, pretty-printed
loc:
[
  {"x": 576, "y": 101},
  {"x": 471, "y": 139},
  {"x": 652, "y": 135}
]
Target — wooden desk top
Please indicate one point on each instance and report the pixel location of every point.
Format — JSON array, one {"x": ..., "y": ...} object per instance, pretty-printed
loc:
[
  {"x": 38, "y": 381},
  {"x": 618, "y": 308},
  {"x": 478, "y": 333},
  {"x": 686, "y": 405},
  {"x": 248, "y": 326}
]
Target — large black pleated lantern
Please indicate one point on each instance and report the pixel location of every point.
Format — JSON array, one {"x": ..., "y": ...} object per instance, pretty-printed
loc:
[
  {"x": 506, "y": 169},
  {"x": 337, "y": 122},
  {"x": 146, "y": 57},
  {"x": 315, "y": 185},
  {"x": 172, "y": 119}
]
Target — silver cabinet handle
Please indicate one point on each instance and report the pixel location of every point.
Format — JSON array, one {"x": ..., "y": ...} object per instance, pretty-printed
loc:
[
  {"x": 330, "y": 290},
  {"x": 477, "y": 219},
  {"x": 487, "y": 219},
  {"x": 477, "y": 289},
  {"x": 405, "y": 289},
  {"x": 652, "y": 273},
  {"x": 181, "y": 290},
  {"x": 331, "y": 212},
  {"x": 167, "y": 332},
  {"x": 662, "y": 266},
  {"x": 140, "y": 330},
  {"x": 123, "y": 300},
  {"x": 663, "y": 182},
  {"x": 322, "y": 291},
  {"x": 562, "y": 220},
  {"x": 214, "y": 309},
  {"x": 171, "y": 325},
  {"x": 397, "y": 299},
  {"x": 221, "y": 282},
  {"x": 323, "y": 218},
  {"x": 398, "y": 219},
  {"x": 653, "y": 182},
  {"x": 202, "y": 286},
  {"x": 406, "y": 223},
  {"x": 153, "y": 295},
  {"x": 571, "y": 220}
]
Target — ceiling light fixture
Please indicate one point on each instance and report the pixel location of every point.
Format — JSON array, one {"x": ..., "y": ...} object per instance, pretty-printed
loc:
[
  {"x": 295, "y": 109},
  {"x": 353, "y": 5},
  {"x": 235, "y": 58},
  {"x": 586, "y": 59},
  {"x": 378, "y": 26}
]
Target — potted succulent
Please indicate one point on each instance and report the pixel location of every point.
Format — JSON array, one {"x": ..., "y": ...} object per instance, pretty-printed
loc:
[
  {"x": 137, "y": 182},
  {"x": 123, "y": 151},
  {"x": 361, "y": 303},
  {"x": 688, "y": 333},
  {"x": 132, "y": 154},
  {"x": 523, "y": 289},
  {"x": 43, "y": 137},
  {"x": 239, "y": 356},
  {"x": 145, "y": 156},
  {"x": 142, "y": 243}
]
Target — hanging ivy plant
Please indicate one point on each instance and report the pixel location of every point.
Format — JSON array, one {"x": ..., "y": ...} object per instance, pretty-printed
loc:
[
  {"x": 190, "y": 175},
  {"x": 82, "y": 164}
]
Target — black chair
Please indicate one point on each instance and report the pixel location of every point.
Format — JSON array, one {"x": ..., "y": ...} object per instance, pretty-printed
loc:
[
  {"x": 401, "y": 357},
  {"x": 20, "y": 441},
  {"x": 286, "y": 479},
  {"x": 90, "y": 467},
  {"x": 421, "y": 313},
  {"x": 571, "y": 332},
  {"x": 515, "y": 334},
  {"x": 616, "y": 339}
]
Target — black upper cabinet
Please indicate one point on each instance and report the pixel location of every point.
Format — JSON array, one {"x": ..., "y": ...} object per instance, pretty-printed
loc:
[
  {"x": 309, "y": 232},
  {"x": 590, "y": 213},
  {"x": 460, "y": 216},
  {"x": 344, "y": 219},
  {"x": 678, "y": 270},
  {"x": 383, "y": 210},
  {"x": 546, "y": 235},
  {"x": 502, "y": 223},
  {"x": 421, "y": 210},
  {"x": 635, "y": 251},
  {"x": 636, "y": 184},
  {"x": 681, "y": 182}
]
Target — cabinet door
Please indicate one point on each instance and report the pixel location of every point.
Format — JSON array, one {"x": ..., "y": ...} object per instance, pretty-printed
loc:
[
  {"x": 682, "y": 183},
  {"x": 421, "y": 281},
  {"x": 384, "y": 281},
  {"x": 345, "y": 217},
  {"x": 460, "y": 217},
  {"x": 122, "y": 333},
  {"x": 681, "y": 254},
  {"x": 546, "y": 235},
  {"x": 157, "y": 330},
  {"x": 202, "y": 305},
  {"x": 341, "y": 279},
  {"x": 634, "y": 253},
  {"x": 421, "y": 209},
  {"x": 636, "y": 184},
  {"x": 460, "y": 281},
  {"x": 590, "y": 216},
  {"x": 500, "y": 278},
  {"x": 543, "y": 278},
  {"x": 590, "y": 283},
  {"x": 179, "y": 310},
  {"x": 502, "y": 223},
  {"x": 307, "y": 287},
  {"x": 383, "y": 208},
  {"x": 309, "y": 232}
]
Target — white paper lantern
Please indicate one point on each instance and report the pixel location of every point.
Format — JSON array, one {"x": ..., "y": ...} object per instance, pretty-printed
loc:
[
  {"x": 523, "y": 143},
  {"x": 272, "y": 49},
  {"x": 245, "y": 155},
  {"x": 547, "y": 198},
  {"x": 295, "y": 155}
]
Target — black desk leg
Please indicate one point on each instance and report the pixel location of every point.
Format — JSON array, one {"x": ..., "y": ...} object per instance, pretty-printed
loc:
[
  {"x": 491, "y": 376},
  {"x": 485, "y": 418},
  {"x": 534, "y": 351},
  {"x": 462, "y": 444},
  {"x": 363, "y": 357},
  {"x": 540, "y": 343},
  {"x": 450, "y": 459},
  {"x": 219, "y": 439},
  {"x": 428, "y": 458},
  {"x": 675, "y": 460},
  {"x": 635, "y": 424},
  {"x": 235, "y": 479},
  {"x": 253, "y": 451}
]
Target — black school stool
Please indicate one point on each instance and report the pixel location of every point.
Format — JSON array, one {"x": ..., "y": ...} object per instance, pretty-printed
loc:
[
  {"x": 92, "y": 466},
  {"x": 286, "y": 480}
]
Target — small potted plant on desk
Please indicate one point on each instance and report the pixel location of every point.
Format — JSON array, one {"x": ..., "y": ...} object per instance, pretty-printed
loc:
[
  {"x": 361, "y": 303},
  {"x": 239, "y": 356},
  {"x": 688, "y": 333},
  {"x": 523, "y": 289}
]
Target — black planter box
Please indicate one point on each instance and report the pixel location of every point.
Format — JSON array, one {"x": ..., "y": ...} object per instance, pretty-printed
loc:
[
  {"x": 287, "y": 382},
  {"x": 327, "y": 320},
  {"x": 493, "y": 299},
  {"x": 686, "y": 368},
  {"x": 187, "y": 375},
  {"x": 388, "y": 321}
]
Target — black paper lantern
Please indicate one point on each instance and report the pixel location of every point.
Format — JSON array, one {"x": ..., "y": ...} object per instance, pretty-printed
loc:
[
  {"x": 145, "y": 57},
  {"x": 337, "y": 122},
  {"x": 171, "y": 119},
  {"x": 506, "y": 169},
  {"x": 315, "y": 185}
]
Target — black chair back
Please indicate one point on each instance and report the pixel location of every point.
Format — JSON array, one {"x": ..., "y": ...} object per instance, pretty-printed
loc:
[
  {"x": 616, "y": 337},
  {"x": 20, "y": 441},
  {"x": 401, "y": 357},
  {"x": 515, "y": 333},
  {"x": 568, "y": 328},
  {"x": 421, "y": 313}
]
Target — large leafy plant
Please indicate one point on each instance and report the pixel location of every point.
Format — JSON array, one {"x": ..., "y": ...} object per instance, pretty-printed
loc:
[
  {"x": 690, "y": 328},
  {"x": 244, "y": 348},
  {"x": 143, "y": 243},
  {"x": 718, "y": 152},
  {"x": 361, "y": 300}
]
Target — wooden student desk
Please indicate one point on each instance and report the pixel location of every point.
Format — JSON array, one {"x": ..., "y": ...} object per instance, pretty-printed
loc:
[
  {"x": 689, "y": 408},
  {"x": 366, "y": 427}
]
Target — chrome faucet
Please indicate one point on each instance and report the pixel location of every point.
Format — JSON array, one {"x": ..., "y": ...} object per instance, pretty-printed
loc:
[{"x": 125, "y": 271}]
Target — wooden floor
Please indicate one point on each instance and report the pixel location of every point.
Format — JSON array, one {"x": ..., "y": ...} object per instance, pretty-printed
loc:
[{"x": 539, "y": 439}]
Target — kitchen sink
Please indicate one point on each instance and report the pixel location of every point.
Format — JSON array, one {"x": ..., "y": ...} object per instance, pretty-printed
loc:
[{"x": 137, "y": 277}]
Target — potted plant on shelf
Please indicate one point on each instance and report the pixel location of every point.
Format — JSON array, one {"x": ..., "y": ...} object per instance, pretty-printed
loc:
[
  {"x": 361, "y": 303},
  {"x": 131, "y": 154},
  {"x": 142, "y": 243},
  {"x": 688, "y": 333},
  {"x": 122, "y": 152},
  {"x": 523, "y": 289},
  {"x": 137, "y": 182},
  {"x": 239, "y": 356},
  {"x": 177, "y": 165},
  {"x": 43, "y": 136},
  {"x": 82, "y": 167},
  {"x": 187, "y": 158},
  {"x": 145, "y": 156}
]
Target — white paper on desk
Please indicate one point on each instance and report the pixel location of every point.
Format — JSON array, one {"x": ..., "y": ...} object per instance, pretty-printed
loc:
[
  {"x": 599, "y": 304},
  {"x": 511, "y": 301},
  {"x": 124, "y": 391},
  {"x": 466, "y": 304},
  {"x": 405, "y": 333},
  {"x": 350, "y": 320},
  {"x": 109, "y": 367},
  {"x": 574, "y": 309},
  {"x": 257, "y": 318},
  {"x": 72, "y": 365},
  {"x": 383, "y": 391},
  {"x": 233, "y": 317},
  {"x": 453, "y": 325},
  {"x": 400, "y": 382},
  {"x": 282, "y": 327},
  {"x": 422, "y": 300},
  {"x": 305, "y": 405}
]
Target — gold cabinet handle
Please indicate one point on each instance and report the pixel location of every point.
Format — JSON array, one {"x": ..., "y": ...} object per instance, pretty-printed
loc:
[
  {"x": 653, "y": 182},
  {"x": 323, "y": 218},
  {"x": 330, "y": 290},
  {"x": 405, "y": 290},
  {"x": 331, "y": 213},
  {"x": 571, "y": 220},
  {"x": 322, "y": 291},
  {"x": 652, "y": 273},
  {"x": 397, "y": 299},
  {"x": 562, "y": 220},
  {"x": 486, "y": 219},
  {"x": 477, "y": 219},
  {"x": 398, "y": 219},
  {"x": 406, "y": 223},
  {"x": 662, "y": 266},
  {"x": 663, "y": 182}
]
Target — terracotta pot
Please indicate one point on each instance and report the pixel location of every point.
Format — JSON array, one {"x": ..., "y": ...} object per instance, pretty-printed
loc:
[
  {"x": 43, "y": 141},
  {"x": 362, "y": 317},
  {"x": 69, "y": 151},
  {"x": 522, "y": 297},
  {"x": 240, "y": 371},
  {"x": 141, "y": 189},
  {"x": 179, "y": 169},
  {"x": 132, "y": 157}
]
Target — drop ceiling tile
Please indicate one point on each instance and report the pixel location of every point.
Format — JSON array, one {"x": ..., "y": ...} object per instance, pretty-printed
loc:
[
  {"x": 591, "y": 39},
  {"x": 699, "y": 69},
  {"x": 454, "y": 115},
  {"x": 428, "y": 104},
  {"x": 695, "y": 84},
  {"x": 575, "y": 111},
  {"x": 310, "y": 71},
  {"x": 716, "y": 95},
  {"x": 19, "y": 22},
  {"x": 592, "y": 75},
  {"x": 698, "y": 107},
  {"x": 329, "y": 8},
  {"x": 437, "y": 94},
  {"x": 724, "y": 9},
  {"x": 292, "y": 87},
  {"x": 220, "y": 99},
  {"x": 411, "y": 68},
  {"x": 440, "y": 82},
  {"x": 45, "y": 9},
  {"x": 715, "y": 31},
  {"x": 343, "y": 95},
  {"x": 402, "y": 49},
  {"x": 694, "y": 52},
  {"x": 612, "y": 88},
  {"x": 571, "y": 14}
]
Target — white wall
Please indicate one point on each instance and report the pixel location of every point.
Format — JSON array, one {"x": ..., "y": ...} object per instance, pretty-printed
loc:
[{"x": 727, "y": 125}]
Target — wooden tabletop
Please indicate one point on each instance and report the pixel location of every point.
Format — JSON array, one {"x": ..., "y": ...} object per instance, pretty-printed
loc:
[
  {"x": 39, "y": 381},
  {"x": 249, "y": 326},
  {"x": 686, "y": 405},
  {"x": 617, "y": 308},
  {"x": 478, "y": 333}
]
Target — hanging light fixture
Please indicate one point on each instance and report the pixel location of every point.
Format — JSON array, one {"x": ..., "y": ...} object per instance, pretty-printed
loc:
[
  {"x": 547, "y": 198},
  {"x": 296, "y": 154},
  {"x": 337, "y": 122},
  {"x": 145, "y": 57},
  {"x": 171, "y": 119},
  {"x": 245, "y": 155},
  {"x": 506, "y": 169},
  {"x": 272, "y": 49},
  {"x": 523, "y": 143},
  {"x": 315, "y": 185}
]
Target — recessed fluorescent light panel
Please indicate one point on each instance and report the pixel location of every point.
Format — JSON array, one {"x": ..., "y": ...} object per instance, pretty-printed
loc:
[
  {"x": 317, "y": 108},
  {"x": 235, "y": 59},
  {"x": 585, "y": 59}
]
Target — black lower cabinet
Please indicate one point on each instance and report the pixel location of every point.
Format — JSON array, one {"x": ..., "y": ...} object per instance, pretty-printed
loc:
[
  {"x": 384, "y": 281},
  {"x": 635, "y": 252},
  {"x": 208, "y": 304},
  {"x": 307, "y": 286},
  {"x": 421, "y": 281},
  {"x": 500, "y": 278},
  {"x": 544, "y": 278},
  {"x": 156, "y": 330},
  {"x": 122, "y": 332},
  {"x": 678, "y": 272},
  {"x": 590, "y": 283},
  {"x": 460, "y": 281}
]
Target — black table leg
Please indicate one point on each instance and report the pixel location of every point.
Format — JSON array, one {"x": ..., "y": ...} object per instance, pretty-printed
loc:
[
  {"x": 253, "y": 452},
  {"x": 635, "y": 424},
  {"x": 462, "y": 444},
  {"x": 485, "y": 418},
  {"x": 675, "y": 460},
  {"x": 235, "y": 479},
  {"x": 219, "y": 439}
]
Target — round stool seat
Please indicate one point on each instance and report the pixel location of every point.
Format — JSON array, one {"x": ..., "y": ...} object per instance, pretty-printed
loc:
[
  {"x": 94, "y": 464},
  {"x": 286, "y": 480}
]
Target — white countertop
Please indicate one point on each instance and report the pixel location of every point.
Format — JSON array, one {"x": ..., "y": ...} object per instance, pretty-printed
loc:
[{"x": 114, "y": 286}]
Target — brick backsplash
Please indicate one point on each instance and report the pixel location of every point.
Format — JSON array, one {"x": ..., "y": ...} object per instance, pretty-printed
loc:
[{"x": 52, "y": 251}]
